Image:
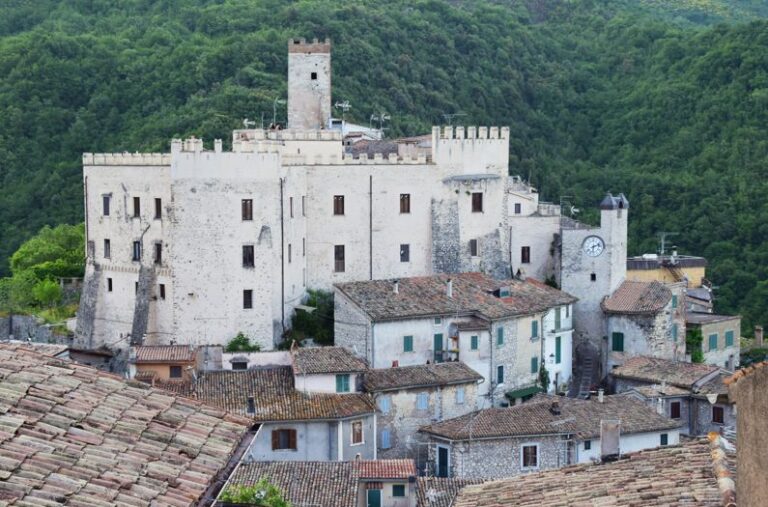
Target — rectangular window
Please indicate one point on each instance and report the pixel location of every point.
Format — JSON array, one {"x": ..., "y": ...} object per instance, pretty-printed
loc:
[
  {"x": 247, "y": 209},
  {"x": 303, "y": 205},
  {"x": 558, "y": 350},
  {"x": 313, "y": 76},
  {"x": 385, "y": 403},
  {"x": 303, "y": 247},
  {"x": 248, "y": 259},
  {"x": 107, "y": 249},
  {"x": 105, "y": 202},
  {"x": 158, "y": 208},
  {"x": 718, "y": 415},
  {"x": 617, "y": 342},
  {"x": 664, "y": 439},
  {"x": 405, "y": 253},
  {"x": 534, "y": 328},
  {"x": 239, "y": 365},
  {"x": 290, "y": 206},
  {"x": 729, "y": 338},
  {"x": 558, "y": 320},
  {"x": 357, "y": 432},
  {"x": 135, "y": 287},
  {"x": 137, "y": 250},
  {"x": 175, "y": 372},
  {"x": 534, "y": 364},
  {"x": 438, "y": 321},
  {"x": 713, "y": 341},
  {"x": 674, "y": 301},
  {"x": 408, "y": 343},
  {"x": 136, "y": 207},
  {"x": 158, "y": 253},
  {"x": 247, "y": 299},
  {"x": 405, "y": 203},
  {"x": 473, "y": 247},
  {"x": 422, "y": 401},
  {"x": 437, "y": 341},
  {"x": 674, "y": 410},
  {"x": 162, "y": 291},
  {"x": 342, "y": 383},
  {"x": 385, "y": 444},
  {"x": 460, "y": 396},
  {"x": 587, "y": 445},
  {"x": 530, "y": 456},
  {"x": 674, "y": 332},
  {"x": 290, "y": 254},
  {"x": 499, "y": 336},
  {"x": 477, "y": 202},
  {"x": 251, "y": 401},
  {"x": 474, "y": 342},
  {"x": 518, "y": 208},
  {"x": 338, "y": 204},
  {"x": 593, "y": 277},
  {"x": 109, "y": 285},
  {"x": 567, "y": 311},
  {"x": 283, "y": 440},
  {"x": 338, "y": 258},
  {"x": 525, "y": 255},
  {"x": 500, "y": 374},
  {"x": 398, "y": 490}
]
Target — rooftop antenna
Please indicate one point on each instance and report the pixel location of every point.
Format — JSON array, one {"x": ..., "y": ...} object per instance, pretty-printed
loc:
[
  {"x": 663, "y": 235},
  {"x": 381, "y": 118},
  {"x": 344, "y": 106},
  {"x": 450, "y": 116},
  {"x": 565, "y": 202},
  {"x": 248, "y": 123}
]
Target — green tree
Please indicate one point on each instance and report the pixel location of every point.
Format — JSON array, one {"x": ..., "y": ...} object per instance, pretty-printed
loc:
[
  {"x": 261, "y": 494},
  {"x": 241, "y": 343},
  {"x": 693, "y": 344},
  {"x": 47, "y": 293},
  {"x": 57, "y": 251}
]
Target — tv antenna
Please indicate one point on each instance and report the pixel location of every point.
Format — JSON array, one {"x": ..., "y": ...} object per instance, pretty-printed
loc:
[
  {"x": 381, "y": 118},
  {"x": 565, "y": 202},
  {"x": 249, "y": 123},
  {"x": 344, "y": 106},
  {"x": 450, "y": 116}
]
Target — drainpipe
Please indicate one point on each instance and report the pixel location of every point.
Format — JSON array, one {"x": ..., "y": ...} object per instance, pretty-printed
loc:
[
  {"x": 375, "y": 436},
  {"x": 340, "y": 441},
  {"x": 370, "y": 226},
  {"x": 282, "y": 258},
  {"x": 492, "y": 383}
]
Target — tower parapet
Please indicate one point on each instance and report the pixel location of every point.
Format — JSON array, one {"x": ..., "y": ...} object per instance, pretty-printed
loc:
[{"x": 309, "y": 84}]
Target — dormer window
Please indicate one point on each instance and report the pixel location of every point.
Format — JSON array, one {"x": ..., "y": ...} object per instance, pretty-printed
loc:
[{"x": 239, "y": 365}]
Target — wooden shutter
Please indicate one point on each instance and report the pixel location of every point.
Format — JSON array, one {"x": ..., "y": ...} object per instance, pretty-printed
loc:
[
  {"x": 292, "y": 439},
  {"x": 275, "y": 439}
]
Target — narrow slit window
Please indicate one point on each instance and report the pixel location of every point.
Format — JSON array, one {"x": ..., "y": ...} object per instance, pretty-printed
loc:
[
  {"x": 247, "y": 209},
  {"x": 405, "y": 253},
  {"x": 247, "y": 299},
  {"x": 477, "y": 202},
  {"x": 136, "y": 207},
  {"x": 473, "y": 247},
  {"x": 338, "y": 258},
  {"x": 338, "y": 204},
  {"x": 158, "y": 253},
  {"x": 107, "y": 249},
  {"x": 105, "y": 202},
  {"x": 109, "y": 285},
  {"x": 158, "y": 208},
  {"x": 405, "y": 203},
  {"x": 248, "y": 260},
  {"x": 162, "y": 291},
  {"x": 136, "y": 251}
]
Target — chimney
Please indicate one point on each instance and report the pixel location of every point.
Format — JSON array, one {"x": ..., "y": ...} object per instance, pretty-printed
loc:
[
  {"x": 759, "y": 336},
  {"x": 600, "y": 393},
  {"x": 449, "y": 288},
  {"x": 396, "y": 286},
  {"x": 217, "y": 145},
  {"x": 555, "y": 408},
  {"x": 395, "y": 364}
]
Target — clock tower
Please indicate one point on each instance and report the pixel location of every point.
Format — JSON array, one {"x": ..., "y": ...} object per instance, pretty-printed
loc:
[{"x": 593, "y": 265}]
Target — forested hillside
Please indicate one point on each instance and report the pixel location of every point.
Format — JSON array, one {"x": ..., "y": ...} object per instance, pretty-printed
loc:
[{"x": 635, "y": 96}]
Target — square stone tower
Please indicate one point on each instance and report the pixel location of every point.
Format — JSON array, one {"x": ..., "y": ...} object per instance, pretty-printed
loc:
[{"x": 309, "y": 84}]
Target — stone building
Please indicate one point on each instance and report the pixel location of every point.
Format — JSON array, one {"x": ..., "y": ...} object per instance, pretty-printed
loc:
[
  {"x": 409, "y": 397},
  {"x": 166, "y": 362},
  {"x": 544, "y": 433},
  {"x": 504, "y": 330},
  {"x": 694, "y": 394},
  {"x": 643, "y": 319},
  {"x": 672, "y": 268},
  {"x": 721, "y": 337}
]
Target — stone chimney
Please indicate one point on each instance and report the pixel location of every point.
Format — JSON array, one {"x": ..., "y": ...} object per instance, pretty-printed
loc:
[
  {"x": 555, "y": 408},
  {"x": 396, "y": 286},
  {"x": 449, "y": 288},
  {"x": 759, "y": 336},
  {"x": 600, "y": 395}
]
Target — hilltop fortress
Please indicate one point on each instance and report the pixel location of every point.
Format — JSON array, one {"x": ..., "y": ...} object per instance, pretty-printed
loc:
[{"x": 196, "y": 245}]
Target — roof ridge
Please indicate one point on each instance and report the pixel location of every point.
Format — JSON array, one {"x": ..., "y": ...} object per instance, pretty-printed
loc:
[
  {"x": 744, "y": 372},
  {"x": 725, "y": 482}
]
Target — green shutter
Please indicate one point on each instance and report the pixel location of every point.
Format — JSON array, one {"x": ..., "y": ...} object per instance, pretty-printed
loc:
[
  {"x": 729, "y": 338},
  {"x": 557, "y": 318},
  {"x": 618, "y": 342},
  {"x": 534, "y": 365},
  {"x": 713, "y": 341},
  {"x": 534, "y": 329},
  {"x": 408, "y": 343},
  {"x": 558, "y": 351},
  {"x": 674, "y": 332},
  {"x": 342, "y": 383},
  {"x": 474, "y": 342},
  {"x": 664, "y": 439},
  {"x": 500, "y": 374},
  {"x": 499, "y": 336},
  {"x": 674, "y": 301}
]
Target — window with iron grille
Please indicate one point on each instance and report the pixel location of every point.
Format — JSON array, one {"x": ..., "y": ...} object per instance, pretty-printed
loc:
[
  {"x": 530, "y": 456},
  {"x": 247, "y": 299},
  {"x": 105, "y": 202}
]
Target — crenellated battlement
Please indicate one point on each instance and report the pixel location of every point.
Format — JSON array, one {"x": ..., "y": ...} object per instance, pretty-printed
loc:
[
  {"x": 469, "y": 133},
  {"x": 123, "y": 159},
  {"x": 300, "y": 45},
  {"x": 364, "y": 159},
  {"x": 286, "y": 135}
]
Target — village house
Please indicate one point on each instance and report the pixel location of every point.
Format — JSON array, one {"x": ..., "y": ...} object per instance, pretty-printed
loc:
[
  {"x": 327, "y": 370},
  {"x": 505, "y": 330},
  {"x": 644, "y": 319},
  {"x": 668, "y": 268},
  {"x": 693, "y": 394},
  {"x": 409, "y": 397},
  {"x": 721, "y": 335},
  {"x": 696, "y": 473},
  {"x": 74, "y": 435},
  {"x": 546, "y": 432},
  {"x": 166, "y": 362}
]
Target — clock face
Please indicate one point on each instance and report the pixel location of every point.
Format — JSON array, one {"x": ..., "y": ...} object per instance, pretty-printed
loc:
[{"x": 593, "y": 246}]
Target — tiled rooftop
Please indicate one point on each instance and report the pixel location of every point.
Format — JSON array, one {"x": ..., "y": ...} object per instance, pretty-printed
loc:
[
  {"x": 440, "y": 491},
  {"x": 275, "y": 398},
  {"x": 577, "y": 416},
  {"x": 385, "y": 469},
  {"x": 472, "y": 294},
  {"x": 164, "y": 354},
  {"x": 71, "y": 434},
  {"x": 656, "y": 390},
  {"x": 637, "y": 298},
  {"x": 425, "y": 375},
  {"x": 699, "y": 318},
  {"x": 47, "y": 349},
  {"x": 312, "y": 360},
  {"x": 697, "y": 473},
  {"x": 656, "y": 370}
]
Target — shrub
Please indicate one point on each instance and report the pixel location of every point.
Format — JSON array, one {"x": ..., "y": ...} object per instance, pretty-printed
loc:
[
  {"x": 241, "y": 343},
  {"x": 261, "y": 494}
]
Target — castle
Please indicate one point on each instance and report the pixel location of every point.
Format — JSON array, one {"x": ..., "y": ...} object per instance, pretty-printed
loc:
[{"x": 196, "y": 245}]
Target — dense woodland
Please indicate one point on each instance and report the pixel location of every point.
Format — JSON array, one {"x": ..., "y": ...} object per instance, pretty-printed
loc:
[{"x": 666, "y": 101}]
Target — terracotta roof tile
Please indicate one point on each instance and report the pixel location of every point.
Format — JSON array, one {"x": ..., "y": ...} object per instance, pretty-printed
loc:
[
  {"x": 403, "y": 377},
  {"x": 473, "y": 294},
  {"x": 164, "y": 354},
  {"x": 656, "y": 370},
  {"x": 637, "y": 298},
  {"x": 75, "y": 435},
  {"x": 273, "y": 393},
  {"x": 385, "y": 469},
  {"x": 440, "y": 491},
  {"x": 675, "y": 475},
  {"x": 536, "y": 417},
  {"x": 312, "y": 360},
  {"x": 745, "y": 372}
]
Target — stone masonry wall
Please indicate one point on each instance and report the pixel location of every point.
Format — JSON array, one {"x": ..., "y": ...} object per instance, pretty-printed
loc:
[
  {"x": 446, "y": 247},
  {"x": 351, "y": 328}
]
